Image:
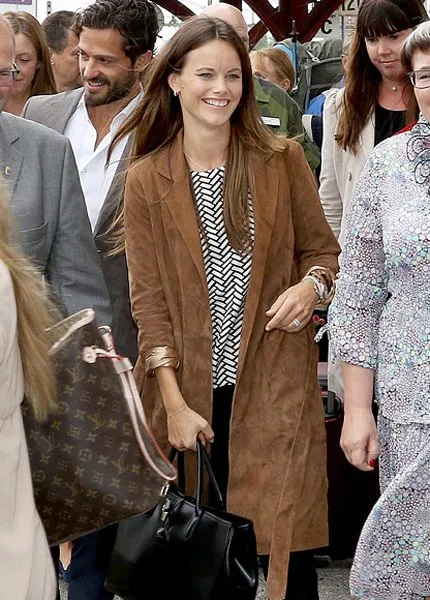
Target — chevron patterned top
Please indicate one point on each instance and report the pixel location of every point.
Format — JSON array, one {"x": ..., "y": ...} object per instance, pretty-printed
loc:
[{"x": 227, "y": 274}]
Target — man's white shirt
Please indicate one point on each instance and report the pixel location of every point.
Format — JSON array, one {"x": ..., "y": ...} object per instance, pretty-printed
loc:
[{"x": 95, "y": 173}]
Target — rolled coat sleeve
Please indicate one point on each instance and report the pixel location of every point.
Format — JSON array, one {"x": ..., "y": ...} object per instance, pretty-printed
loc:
[
  {"x": 329, "y": 192},
  {"x": 315, "y": 244},
  {"x": 148, "y": 302},
  {"x": 362, "y": 287}
]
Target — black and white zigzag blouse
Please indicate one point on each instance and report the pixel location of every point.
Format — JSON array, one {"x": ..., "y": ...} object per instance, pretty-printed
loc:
[{"x": 227, "y": 275}]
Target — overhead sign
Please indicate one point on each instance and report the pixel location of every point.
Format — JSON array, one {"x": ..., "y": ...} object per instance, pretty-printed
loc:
[
  {"x": 331, "y": 27},
  {"x": 349, "y": 8},
  {"x": 26, "y": 5}
]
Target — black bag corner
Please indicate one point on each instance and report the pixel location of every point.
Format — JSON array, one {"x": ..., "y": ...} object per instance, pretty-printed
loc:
[{"x": 184, "y": 550}]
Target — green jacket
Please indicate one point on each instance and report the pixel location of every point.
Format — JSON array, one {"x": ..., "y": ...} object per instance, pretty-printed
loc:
[{"x": 282, "y": 114}]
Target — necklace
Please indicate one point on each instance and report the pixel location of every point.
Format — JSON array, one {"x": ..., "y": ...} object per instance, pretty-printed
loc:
[
  {"x": 393, "y": 87},
  {"x": 198, "y": 164}
]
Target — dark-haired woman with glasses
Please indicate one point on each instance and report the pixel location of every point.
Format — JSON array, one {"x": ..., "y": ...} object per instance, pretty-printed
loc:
[{"x": 380, "y": 327}]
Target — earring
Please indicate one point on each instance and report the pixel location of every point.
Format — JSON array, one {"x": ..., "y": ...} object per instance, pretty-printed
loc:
[{"x": 175, "y": 93}]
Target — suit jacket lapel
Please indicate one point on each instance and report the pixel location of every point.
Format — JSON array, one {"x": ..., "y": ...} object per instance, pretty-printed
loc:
[
  {"x": 264, "y": 206},
  {"x": 62, "y": 106},
  {"x": 116, "y": 189},
  {"x": 10, "y": 157}
]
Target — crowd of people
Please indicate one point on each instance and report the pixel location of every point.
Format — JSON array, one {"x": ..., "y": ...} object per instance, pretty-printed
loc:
[{"x": 177, "y": 193}]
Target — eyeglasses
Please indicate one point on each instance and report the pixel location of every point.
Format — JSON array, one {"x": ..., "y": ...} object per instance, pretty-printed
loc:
[
  {"x": 420, "y": 79},
  {"x": 8, "y": 76}
]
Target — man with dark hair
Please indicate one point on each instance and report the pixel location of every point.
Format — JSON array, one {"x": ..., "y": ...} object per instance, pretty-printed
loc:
[
  {"x": 135, "y": 20},
  {"x": 63, "y": 42},
  {"x": 116, "y": 39}
]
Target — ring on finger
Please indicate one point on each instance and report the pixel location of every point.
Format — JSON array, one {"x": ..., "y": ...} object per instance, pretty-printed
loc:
[{"x": 296, "y": 323}]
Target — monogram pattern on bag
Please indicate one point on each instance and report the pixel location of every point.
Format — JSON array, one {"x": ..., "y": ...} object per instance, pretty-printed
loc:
[{"x": 88, "y": 470}]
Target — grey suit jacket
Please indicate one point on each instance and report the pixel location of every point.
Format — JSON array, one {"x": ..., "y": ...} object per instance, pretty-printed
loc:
[
  {"x": 39, "y": 169},
  {"x": 55, "y": 111}
]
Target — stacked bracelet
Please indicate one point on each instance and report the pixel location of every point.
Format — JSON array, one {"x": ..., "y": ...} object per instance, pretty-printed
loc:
[
  {"x": 323, "y": 283},
  {"x": 319, "y": 288}
]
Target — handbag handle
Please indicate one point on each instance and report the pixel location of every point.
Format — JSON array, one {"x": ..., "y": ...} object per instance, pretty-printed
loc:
[
  {"x": 203, "y": 462},
  {"x": 62, "y": 332}
]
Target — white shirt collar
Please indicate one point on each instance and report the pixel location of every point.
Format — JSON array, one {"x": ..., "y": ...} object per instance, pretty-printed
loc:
[{"x": 121, "y": 116}]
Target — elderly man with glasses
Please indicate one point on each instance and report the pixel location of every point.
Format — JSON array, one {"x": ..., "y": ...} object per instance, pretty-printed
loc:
[{"x": 38, "y": 168}]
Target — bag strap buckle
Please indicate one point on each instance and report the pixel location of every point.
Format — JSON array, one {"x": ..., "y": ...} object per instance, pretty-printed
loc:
[{"x": 164, "y": 490}]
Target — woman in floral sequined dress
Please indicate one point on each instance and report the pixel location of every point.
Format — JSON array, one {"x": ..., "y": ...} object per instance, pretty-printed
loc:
[{"x": 380, "y": 325}]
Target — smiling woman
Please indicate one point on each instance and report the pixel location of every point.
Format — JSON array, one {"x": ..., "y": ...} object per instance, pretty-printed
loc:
[
  {"x": 33, "y": 60},
  {"x": 223, "y": 235},
  {"x": 209, "y": 95}
]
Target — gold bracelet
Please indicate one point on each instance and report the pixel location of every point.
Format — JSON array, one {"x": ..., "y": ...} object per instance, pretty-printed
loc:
[{"x": 177, "y": 412}]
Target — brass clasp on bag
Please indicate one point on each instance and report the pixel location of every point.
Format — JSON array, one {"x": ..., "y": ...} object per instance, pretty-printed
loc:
[
  {"x": 164, "y": 489},
  {"x": 165, "y": 509}
]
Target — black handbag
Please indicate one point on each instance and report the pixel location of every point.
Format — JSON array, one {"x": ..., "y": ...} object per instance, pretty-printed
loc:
[{"x": 184, "y": 550}]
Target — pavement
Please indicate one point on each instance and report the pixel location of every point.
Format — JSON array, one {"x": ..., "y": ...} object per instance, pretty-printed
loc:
[{"x": 333, "y": 583}]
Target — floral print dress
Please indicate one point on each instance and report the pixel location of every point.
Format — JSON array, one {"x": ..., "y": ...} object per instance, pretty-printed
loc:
[{"x": 380, "y": 319}]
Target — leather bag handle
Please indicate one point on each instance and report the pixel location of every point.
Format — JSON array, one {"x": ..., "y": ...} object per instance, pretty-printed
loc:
[
  {"x": 203, "y": 462},
  {"x": 124, "y": 370}
]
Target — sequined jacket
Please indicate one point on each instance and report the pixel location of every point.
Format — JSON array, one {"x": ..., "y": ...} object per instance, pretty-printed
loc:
[{"x": 380, "y": 318}]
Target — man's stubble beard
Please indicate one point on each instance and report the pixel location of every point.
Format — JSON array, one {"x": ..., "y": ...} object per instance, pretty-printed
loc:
[{"x": 117, "y": 91}]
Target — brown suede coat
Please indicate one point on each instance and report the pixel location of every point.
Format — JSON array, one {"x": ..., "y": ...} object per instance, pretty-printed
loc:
[{"x": 277, "y": 447}]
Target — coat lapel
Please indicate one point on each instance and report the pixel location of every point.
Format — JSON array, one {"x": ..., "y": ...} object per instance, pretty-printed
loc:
[
  {"x": 10, "y": 157},
  {"x": 176, "y": 187},
  {"x": 368, "y": 137},
  {"x": 176, "y": 183},
  {"x": 264, "y": 205}
]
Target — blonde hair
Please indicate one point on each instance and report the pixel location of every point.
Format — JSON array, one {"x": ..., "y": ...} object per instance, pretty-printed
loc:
[
  {"x": 34, "y": 316},
  {"x": 278, "y": 61}
]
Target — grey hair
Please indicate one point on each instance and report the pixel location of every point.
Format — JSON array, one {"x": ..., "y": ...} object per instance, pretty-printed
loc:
[
  {"x": 6, "y": 24},
  {"x": 417, "y": 41}
]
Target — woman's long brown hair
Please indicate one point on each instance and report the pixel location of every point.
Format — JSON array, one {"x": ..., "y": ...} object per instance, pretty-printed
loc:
[
  {"x": 23, "y": 22},
  {"x": 375, "y": 18},
  {"x": 158, "y": 120}
]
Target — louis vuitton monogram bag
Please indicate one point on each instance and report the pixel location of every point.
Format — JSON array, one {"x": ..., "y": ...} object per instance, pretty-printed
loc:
[{"x": 94, "y": 461}]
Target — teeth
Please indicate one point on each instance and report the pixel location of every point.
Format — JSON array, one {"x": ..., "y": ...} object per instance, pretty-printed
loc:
[{"x": 217, "y": 102}]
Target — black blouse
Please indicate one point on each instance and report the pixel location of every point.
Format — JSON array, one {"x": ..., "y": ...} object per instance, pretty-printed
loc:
[{"x": 388, "y": 122}]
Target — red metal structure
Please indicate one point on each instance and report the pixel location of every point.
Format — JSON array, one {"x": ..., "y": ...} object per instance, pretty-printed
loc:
[{"x": 276, "y": 20}]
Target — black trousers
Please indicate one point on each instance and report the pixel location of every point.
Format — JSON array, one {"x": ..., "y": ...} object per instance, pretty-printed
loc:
[
  {"x": 90, "y": 562},
  {"x": 302, "y": 575}
]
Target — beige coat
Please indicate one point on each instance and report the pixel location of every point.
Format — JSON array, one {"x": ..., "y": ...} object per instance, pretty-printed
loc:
[
  {"x": 340, "y": 169},
  {"x": 277, "y": 446},
  {"x": 26, "y": 569}
]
